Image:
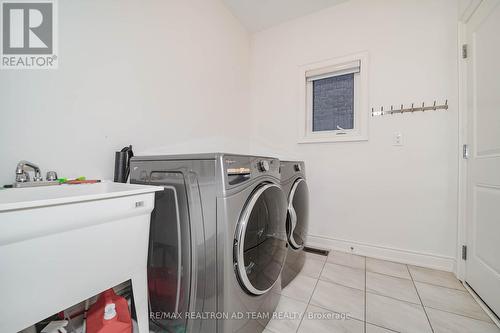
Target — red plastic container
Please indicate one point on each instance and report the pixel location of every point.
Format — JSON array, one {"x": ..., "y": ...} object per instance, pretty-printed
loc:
[{"x": 110, "y": 314}]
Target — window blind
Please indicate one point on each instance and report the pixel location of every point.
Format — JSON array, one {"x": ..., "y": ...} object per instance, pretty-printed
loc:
[{"x": 342, "y": 69}]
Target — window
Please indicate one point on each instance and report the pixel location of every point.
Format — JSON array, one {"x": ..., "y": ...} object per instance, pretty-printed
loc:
[{"x": 335, "y": 105}]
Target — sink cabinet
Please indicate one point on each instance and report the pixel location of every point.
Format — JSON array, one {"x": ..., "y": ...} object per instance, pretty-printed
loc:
[{"x": 64, "y": 244}]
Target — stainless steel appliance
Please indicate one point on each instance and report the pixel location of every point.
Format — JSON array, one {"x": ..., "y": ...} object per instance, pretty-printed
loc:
[
  {"x": 294, "y": 185},
  {"x": 217, "y": 243}
]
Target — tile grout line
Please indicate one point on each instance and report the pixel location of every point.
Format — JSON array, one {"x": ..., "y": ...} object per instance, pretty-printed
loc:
[
  {"x": 441, "y": 286},
  {"x": 385, "y": 328},
  {"x": 399, "y": 277},
  {"x": 345, "y": 265},
  {"x": 458, "y": 314},
  {"x": 325, "y": 262},
  {"x": 454, "y": 289},
  {"x": 342, "y": 285},
  {"x": 339, "y": 284},
  {"x": 310, "y": 298},
  {"x": 391, "y": 297},
  {"x": 317, "y": 259},
  {"x": 392, "y": 276},
  {"x": 397, "y": 299},
  {"x": 421, "y": 303},
  {"x": 449, "y": 288}
]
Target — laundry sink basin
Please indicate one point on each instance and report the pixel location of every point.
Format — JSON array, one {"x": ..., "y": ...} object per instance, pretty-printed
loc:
[
  {"x": 18, "y": 204},
  {"x": 21, "y": 198}
]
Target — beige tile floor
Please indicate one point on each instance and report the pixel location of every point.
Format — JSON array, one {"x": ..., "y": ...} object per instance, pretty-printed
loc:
[{"x": 378, "y": 296}]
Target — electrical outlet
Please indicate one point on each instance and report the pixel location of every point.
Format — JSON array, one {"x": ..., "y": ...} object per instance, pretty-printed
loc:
[{"x": 397, "y": 139}]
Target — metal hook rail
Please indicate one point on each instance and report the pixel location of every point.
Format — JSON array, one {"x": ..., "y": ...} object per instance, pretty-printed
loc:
[{"x": 401, "y": 110}]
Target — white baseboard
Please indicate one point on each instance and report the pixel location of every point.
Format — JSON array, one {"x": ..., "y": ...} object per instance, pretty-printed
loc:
[{"x": 386, "y": 253}]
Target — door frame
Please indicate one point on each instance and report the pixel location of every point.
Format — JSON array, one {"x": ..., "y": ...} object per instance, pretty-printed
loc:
[
  {"x": 463, "y": 138},
  {"x": 462, "y": 163}
]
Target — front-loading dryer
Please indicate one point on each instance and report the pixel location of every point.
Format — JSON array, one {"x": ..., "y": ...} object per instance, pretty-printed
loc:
[
  {"x": 294, "y": 185},
  {"x": 217, "y": 243}
]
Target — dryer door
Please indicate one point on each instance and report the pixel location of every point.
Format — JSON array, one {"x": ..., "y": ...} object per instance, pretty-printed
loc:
[
  {"x": 298, "y": 214},
  {"x": 260, "y": 241}
]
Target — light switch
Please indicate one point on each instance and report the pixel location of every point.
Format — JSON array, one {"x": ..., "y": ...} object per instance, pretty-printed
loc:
[{"x": 397, "y": 139}]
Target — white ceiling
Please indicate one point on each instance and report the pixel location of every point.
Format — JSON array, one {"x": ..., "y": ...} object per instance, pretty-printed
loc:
[{"x": 258, "y": 15}]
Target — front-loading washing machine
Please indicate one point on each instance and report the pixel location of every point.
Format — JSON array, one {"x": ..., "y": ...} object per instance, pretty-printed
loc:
[
  {"x": 217, "y": 241},
  {"x": 294, "y": 185}
]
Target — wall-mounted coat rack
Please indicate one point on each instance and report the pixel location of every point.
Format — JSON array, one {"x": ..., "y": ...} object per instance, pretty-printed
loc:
[{"x": 413, "y": 108}]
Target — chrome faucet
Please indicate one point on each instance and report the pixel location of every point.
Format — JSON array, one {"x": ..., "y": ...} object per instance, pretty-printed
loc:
[{"x": 22, "y": 176}]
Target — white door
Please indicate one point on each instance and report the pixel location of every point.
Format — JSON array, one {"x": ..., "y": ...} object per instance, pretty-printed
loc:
[{"x": 483, "y": 166}]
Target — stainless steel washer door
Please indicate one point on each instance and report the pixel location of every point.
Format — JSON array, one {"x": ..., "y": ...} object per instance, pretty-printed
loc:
[
  {"x": 260, "y": 241},
  {"x": 298, "y": 214}
]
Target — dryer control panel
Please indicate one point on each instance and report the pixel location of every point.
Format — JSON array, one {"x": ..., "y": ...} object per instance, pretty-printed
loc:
[
  {"x": 240, "y": 169},
  {"x": 292, "y": 169}
]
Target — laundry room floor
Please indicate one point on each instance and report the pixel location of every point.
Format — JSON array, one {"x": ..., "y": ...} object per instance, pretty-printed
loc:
[{"x": 379, "y": 296}]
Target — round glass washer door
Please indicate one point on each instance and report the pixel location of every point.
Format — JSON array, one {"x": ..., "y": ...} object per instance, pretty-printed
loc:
[
  {"x": 260, "y": 242},
  {"x": 298, "y": 214}
]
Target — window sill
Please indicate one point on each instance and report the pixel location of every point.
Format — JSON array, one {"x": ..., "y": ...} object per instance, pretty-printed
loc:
[{"x": 332, "y": 138}]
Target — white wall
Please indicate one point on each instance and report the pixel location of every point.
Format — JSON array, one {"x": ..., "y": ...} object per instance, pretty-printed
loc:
[
  {"x": 463, "y": 5},
  {"x": 372, "y": 192},
  {"x": 165, "y": 76},
  {"x": 173, "y": 76}
]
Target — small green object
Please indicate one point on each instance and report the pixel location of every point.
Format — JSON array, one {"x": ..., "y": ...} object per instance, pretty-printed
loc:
[{"x": 65, "y": 180}]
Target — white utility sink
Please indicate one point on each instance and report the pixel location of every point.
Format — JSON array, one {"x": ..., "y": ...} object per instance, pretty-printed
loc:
[
  {"x": 60, "y": 245},
  {"x": 20, "y": 198}
]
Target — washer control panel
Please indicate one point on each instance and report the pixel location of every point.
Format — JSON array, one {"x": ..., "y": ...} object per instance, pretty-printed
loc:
[{"x": 239, "y": 169}]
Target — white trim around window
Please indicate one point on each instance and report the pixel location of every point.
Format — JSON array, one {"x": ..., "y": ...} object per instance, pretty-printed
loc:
[{"x": 357, "y": 64}]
